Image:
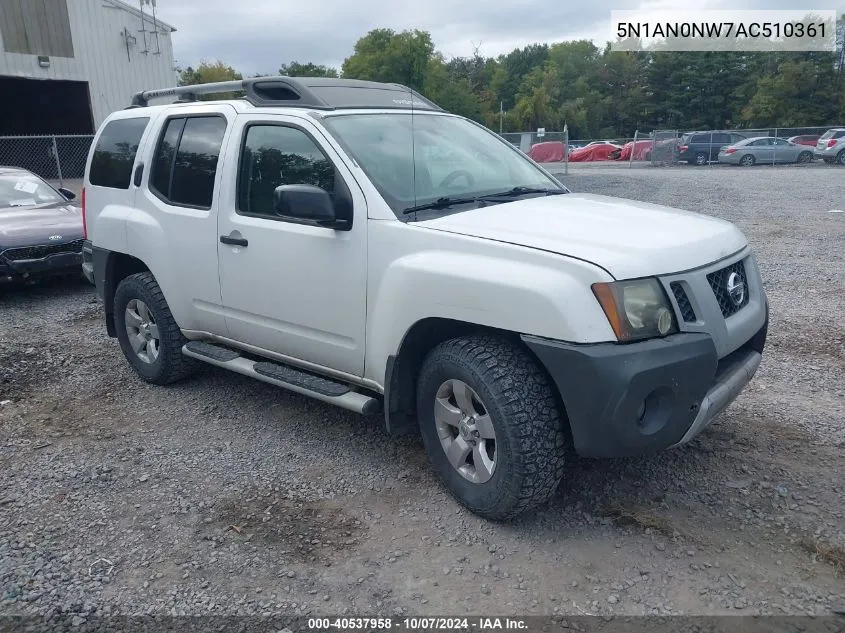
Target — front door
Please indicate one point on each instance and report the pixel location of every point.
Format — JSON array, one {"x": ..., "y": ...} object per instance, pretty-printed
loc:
[{"x": 292, "y": 288}]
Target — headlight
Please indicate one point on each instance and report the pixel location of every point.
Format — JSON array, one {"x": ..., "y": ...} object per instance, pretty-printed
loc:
[{"x": 637, "y": 309}]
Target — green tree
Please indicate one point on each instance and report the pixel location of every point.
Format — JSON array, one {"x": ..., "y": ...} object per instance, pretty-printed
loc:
[
  {"x": 307, "y": 69},
  {"x": 210, "y": 72},
  {"x": 453, "y": 94},
  {"x": 384, "y": 55}
]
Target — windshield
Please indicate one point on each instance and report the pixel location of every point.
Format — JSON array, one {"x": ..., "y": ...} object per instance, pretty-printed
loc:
[
  {"x": 415, "y": 160},
  {"x": 25, "y": 190}
]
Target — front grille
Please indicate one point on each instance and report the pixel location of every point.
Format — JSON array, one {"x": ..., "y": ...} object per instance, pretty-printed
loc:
[
  {"x": 687, "y": 311},
  {"x": 40, "y": 252},
  {"x": 719, "y": 282}
]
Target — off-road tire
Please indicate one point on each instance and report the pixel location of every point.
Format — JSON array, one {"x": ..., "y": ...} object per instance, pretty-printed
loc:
[
  {"x": 518, "y": 396},
  {"x": 171, "y": 365}
]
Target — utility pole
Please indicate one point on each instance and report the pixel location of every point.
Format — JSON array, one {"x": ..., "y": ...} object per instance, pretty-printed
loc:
[{"x": 501, "y": 114}]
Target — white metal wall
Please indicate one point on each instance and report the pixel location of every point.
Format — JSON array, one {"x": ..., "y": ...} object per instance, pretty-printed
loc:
[{"x": 101, "y": 57}]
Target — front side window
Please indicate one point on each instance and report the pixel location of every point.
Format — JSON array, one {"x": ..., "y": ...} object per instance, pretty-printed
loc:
[
  {"x": 275, "y": 155},
  {"x": 185, "y": 162},
  {"x": 418, "y": 159},
  {"x": 114, "y": 154}
]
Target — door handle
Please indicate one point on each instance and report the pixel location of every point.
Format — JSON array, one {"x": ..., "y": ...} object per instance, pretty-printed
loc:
[
  {"x": 139, "y": 172},
  {"x": 234, "y": 241}
]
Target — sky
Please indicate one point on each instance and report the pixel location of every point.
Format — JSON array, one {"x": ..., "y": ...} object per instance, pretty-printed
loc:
[{"x": 257, "y": 36}]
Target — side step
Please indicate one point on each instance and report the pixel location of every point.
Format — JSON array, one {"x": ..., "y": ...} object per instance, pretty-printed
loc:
[{"x": 285, "y": 376}]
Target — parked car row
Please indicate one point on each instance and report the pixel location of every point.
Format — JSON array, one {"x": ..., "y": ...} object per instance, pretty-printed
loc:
[{"x": 738, "y": 148}]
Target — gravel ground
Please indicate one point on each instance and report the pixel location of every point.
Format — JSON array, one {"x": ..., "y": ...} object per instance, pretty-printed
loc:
[{"x": 225, "y": 496}]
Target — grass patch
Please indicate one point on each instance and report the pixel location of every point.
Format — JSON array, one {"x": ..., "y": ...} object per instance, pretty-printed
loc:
[
  {"x": 625, "y": 516},
  {"x": 830, "y": 554}
]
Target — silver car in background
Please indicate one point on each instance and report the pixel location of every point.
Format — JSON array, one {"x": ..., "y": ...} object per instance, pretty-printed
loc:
[
  {"x": 765, "y": 150},
  {"x": 831, "y": 146}
]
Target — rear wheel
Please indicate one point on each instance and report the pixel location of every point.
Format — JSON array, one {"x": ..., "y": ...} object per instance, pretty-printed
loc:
[
  {"x": 701, "y": 159},
  {"x": 491, "y": 425},
  {"x": 840, "y": 158},
  {"x": 148, "y": 334},
  {"x": 747, "y": 161}
]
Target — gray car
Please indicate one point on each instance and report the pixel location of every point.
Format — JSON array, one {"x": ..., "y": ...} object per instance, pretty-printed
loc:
[
  {"x": 41, "y": 230},
  {"x": 765, "y": 150}
]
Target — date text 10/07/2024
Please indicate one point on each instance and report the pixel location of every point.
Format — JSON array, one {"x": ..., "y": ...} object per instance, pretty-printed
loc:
[{"x": 417, "y": 624}]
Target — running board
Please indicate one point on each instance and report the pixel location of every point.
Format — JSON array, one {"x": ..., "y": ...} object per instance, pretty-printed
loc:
[{"x": 296, "y": 380}]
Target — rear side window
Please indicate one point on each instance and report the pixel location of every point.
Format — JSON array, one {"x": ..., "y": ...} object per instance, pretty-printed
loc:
[
  {"x": 114, "y": 154},
  {"x": 832, "y": 134},
  {"x": 839, "y": 134},
  {"x": 185, "y": 162}
]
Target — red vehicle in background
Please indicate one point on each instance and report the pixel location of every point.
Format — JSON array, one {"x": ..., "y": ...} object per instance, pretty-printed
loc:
[
  {"x": 805, "y": 139},
  {"x": 548, "y": 152},
  {"x": 594, "y": 151}
]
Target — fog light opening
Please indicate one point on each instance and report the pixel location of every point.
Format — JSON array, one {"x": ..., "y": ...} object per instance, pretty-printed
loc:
[
  {"x": 641, "y": 412},
  {"x": 654, "y": 411}
]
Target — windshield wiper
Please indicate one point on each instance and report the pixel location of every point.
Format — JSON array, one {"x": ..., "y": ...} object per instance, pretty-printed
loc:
[
  {"x": 440, "y": 203},
  {"x": 518, "y": 191},
  {"x": 444, "y": 202}
]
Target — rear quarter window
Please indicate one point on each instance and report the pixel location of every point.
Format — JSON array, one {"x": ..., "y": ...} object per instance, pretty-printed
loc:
[{"x": 114, "y": 154}]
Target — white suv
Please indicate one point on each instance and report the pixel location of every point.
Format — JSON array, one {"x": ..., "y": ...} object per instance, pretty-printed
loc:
[{"x": 353, "y": 242}]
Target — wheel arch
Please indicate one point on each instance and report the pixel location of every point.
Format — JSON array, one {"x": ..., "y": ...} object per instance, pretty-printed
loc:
[
  {"x": 403, "y": 368},
  {"x": 115, "y": 267}
]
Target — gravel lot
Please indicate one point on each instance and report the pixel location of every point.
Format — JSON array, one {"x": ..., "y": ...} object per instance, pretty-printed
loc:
[{"x": 226, "y": 496}]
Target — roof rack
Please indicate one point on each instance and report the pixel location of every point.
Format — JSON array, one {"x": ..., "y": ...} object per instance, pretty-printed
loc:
[{"x": 321, "y": 93}]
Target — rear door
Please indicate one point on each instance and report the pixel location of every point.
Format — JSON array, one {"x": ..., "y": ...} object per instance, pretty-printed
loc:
[
  {"x": 717, "y": 142},
  {"x": 174, "y": 225},
  {"x": 762, "y": 149}
]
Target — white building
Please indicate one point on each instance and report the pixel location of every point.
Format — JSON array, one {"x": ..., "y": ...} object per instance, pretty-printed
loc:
[{"x": 66, "y": 64}]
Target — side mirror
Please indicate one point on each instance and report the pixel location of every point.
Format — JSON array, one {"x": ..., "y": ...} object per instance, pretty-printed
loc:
[
  {"x": 304, "y": 202},
  {"x": 67, "y": 193}
]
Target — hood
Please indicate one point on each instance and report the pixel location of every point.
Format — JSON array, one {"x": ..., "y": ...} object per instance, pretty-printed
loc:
[
  {"x": 629, "y": 239},
  {"x": 31, "y": 226}
]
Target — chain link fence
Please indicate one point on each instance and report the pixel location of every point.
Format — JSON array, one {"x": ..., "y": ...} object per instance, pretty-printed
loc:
[
  {"x": 55, "y": 158},
  {"x": 673, "y": 146}
]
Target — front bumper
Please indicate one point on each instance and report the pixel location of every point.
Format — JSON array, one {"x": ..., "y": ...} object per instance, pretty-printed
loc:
[
  {"x": 50, "y": 266},
  {"x": 88, "y": 261},
  {"x": 641, "y": 398}
]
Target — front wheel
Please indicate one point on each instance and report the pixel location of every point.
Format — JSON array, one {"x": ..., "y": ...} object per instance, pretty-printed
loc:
[
  {"x": 805, "y": 157},
  {"x": 148, "y": 334},
  {"x": 491, "y": 425}
]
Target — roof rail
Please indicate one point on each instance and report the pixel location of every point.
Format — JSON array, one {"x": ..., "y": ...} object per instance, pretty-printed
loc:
[{"x": 322, "y": 93}]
